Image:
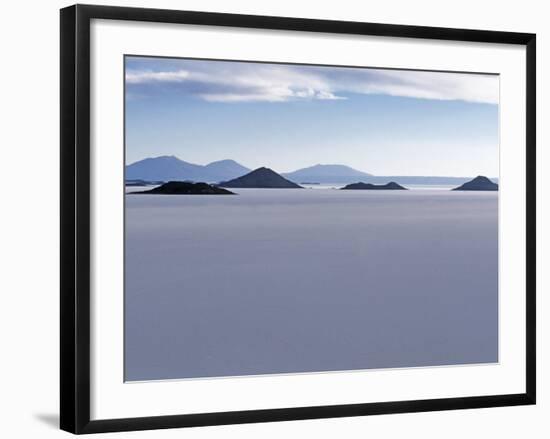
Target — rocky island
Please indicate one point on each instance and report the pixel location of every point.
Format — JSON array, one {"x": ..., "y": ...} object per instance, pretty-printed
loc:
[
  {"x": 480, "y": 183},
  {"x": 260, "y": 178},
  {"x": 392, "y": 185},
  {"x": 186, "y": 188}
]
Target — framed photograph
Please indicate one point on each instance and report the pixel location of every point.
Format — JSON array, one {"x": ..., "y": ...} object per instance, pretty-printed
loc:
[{"x": 268, "y": 219}]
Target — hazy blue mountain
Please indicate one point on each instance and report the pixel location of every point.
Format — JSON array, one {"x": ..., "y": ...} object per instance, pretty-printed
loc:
[
  {"x": 391, "y": 186},
  {"x": 163, "y": 168},
  {"x": 480, "y": 183},
  {"x": 326, "y": 174},
  {"x": 225, "y": 170},
  {"x": 186, "y": 188},
  {"x": 260, "y": 178},
  {"x": 171, "y": 168}
]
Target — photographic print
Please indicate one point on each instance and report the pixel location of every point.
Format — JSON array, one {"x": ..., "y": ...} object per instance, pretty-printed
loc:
[{"x": 293, "y": 218}]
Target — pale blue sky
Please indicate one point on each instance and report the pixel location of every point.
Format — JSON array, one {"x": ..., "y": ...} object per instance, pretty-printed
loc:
[{"x": 386, "y": 122}]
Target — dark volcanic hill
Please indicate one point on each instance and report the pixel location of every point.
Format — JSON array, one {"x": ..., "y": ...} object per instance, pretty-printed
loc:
[
  {"x": 260, "y": 178},
  {"x": 391, "y": 186},
  {"x": 480, "y": 183},
  {"x": 186, "y": 188}
]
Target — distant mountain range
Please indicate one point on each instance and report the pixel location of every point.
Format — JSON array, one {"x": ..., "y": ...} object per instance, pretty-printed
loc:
[{"x": 170, "y": 168}]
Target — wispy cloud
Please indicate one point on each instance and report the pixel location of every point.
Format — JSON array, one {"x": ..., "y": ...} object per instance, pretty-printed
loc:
[
  {"x": 218, "y": 81},
  {"x": 239, "y": 82},
  {"x": 433, "y": 85},
  {"x": 144, "y": 77}
]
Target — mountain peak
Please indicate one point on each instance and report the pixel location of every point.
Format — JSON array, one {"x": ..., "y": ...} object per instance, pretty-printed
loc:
[
  {"x": 166, "y": 157},
  {"x": 479, "y": 183},
  {"x": 481, "y": 179},
  {"x": 260, "y": 178},
  {"x": 160, "y": 158},
  {"x": 223, "y": 161},
  {"x": 327, "y": 173}
]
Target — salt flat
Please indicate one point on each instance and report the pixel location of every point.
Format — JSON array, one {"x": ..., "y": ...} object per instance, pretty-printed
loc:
[{"x": 305, "y": 280}]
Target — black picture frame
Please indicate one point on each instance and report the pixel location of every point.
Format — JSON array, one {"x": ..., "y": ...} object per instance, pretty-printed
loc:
[{"x": 75, "y": 217}]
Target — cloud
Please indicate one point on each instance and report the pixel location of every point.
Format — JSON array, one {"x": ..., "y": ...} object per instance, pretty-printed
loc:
[
  {"x": 219, "y": 81},
  {"x": 239, "y": 82},
  {"x": 477, "y": 88},
  {"x": 144, "y": 77},
  {"x": 271, "y": 95}
]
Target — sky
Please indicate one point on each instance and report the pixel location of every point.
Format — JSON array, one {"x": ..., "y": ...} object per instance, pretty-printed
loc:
[{"x": 286, "y": 117}]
